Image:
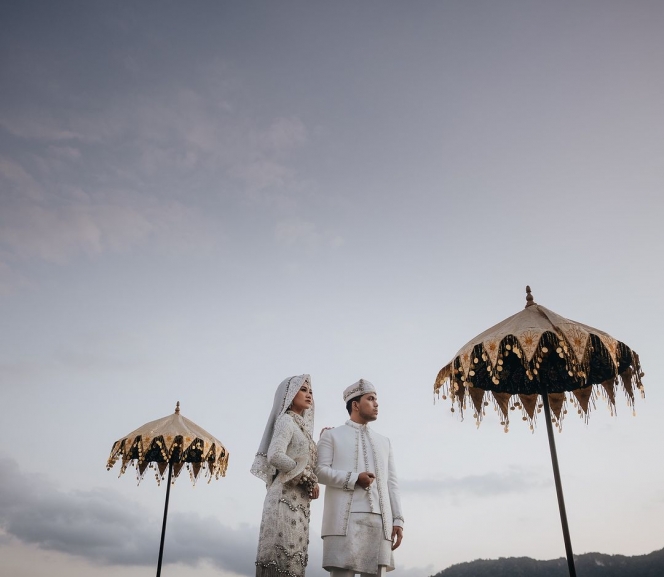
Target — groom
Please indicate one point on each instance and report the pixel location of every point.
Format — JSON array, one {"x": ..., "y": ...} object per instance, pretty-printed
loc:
[{"x": 362, "y": 519}]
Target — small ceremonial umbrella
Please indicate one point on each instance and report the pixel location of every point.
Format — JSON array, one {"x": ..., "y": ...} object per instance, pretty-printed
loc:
[
  {"x": 537, "y": 359},
  {"x": 170, "y": 442}
]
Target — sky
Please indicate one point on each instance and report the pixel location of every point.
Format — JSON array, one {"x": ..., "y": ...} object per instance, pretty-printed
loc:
[{"x": 200, "y": 199}]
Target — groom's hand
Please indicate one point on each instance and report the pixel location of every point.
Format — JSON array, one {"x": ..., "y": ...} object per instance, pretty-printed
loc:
[
  {"x": 365, "y": 479},
  {"x": 397, "y": 535}
]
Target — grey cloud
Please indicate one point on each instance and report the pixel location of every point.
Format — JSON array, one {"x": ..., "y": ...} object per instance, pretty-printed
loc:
[
  {"x": 10, "y": 279},
  {"x": 14, "y": 177},
  {"x": 104, "y": 170},
  {"x": 105, "y": 527},
  {"x": 285, "y": 134},
  {"x": 306, "y": 235},
  {"x": 489, "y": 484},
  {"x": 65, "y": 152},
  {"x": 57, "y": 233},
  {"x": 262, "y": 173},
  {"x": 192, "y": 122},
  {"x": 297, "y": 232},
  {"x": 152, "y": 137},
  {"x": 43, "y": 128},
  {"x": 78, "y": 224},
  {"x": 141, "y": 179}
]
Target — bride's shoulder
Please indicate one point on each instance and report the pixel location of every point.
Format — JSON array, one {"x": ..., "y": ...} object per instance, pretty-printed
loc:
[
  {"x": 287, "y": 419},
  {"x": 283, "y": 426}
]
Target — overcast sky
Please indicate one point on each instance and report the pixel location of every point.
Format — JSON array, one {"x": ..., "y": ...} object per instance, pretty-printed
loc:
[{"x": 200, "y": 199}]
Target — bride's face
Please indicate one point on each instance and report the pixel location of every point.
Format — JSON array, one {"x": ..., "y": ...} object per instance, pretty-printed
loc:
[{"x": 303, "y": 399}]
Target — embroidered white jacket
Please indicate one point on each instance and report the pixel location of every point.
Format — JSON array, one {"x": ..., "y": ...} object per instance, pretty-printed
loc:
[{"x": 339, "y": 464}]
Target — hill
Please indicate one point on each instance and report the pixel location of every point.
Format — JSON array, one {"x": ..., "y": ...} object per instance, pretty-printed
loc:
[{"x": 587, "y": 565}]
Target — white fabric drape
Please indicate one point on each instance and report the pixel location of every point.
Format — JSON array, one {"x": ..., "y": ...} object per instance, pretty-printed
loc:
[{"x": 282, "y": 399}]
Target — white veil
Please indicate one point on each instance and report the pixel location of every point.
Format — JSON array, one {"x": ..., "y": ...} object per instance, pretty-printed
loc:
[{"x": 282, "y": 400}]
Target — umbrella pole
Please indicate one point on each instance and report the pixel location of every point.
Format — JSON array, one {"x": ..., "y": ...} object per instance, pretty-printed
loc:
[
  {"x": 163, "y": 525},
  {"x": 559, "y": 487}
]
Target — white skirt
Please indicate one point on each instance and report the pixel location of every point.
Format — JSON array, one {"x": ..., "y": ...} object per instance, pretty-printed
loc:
[{"x": 362, "y": 550}]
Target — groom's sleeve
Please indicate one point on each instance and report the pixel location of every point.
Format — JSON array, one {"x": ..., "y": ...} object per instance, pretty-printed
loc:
[
  {"x": 344, "y": 480},
  {"x": 393, "y": 490}
]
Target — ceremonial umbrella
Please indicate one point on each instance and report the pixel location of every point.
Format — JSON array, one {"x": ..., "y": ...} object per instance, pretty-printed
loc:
[
  {"x": 537, "y": 359},
  {"x": 170, "y": 442}
]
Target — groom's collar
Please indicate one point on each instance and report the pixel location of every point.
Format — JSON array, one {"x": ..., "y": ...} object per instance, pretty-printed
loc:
[{"x": 356, "y": 425}]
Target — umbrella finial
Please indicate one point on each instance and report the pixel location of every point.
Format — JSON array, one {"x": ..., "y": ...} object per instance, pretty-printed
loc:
[
  {"x": 177, "y": 408},
  {"x": 529, "y": 297}
]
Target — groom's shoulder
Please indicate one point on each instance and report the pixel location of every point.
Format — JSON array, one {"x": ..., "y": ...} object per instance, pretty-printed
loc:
[
  {"x": 343, "y": 429},
  {"x": 339, "y": 431}
]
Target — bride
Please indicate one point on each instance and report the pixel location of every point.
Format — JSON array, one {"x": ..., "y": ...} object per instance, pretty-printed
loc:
[{"x": 286, "y": 460}]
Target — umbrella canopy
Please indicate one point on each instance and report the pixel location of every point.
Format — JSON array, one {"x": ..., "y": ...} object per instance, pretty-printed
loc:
[
  {"x": 510, "y": 363},
  {"x": 170, "y": 443},
  {"x": 175, "y": 440},
  {"x": 537, "y": 359}
]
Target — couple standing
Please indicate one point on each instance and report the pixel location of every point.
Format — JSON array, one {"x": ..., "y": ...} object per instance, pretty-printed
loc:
[{"x": 362, "y": 519}]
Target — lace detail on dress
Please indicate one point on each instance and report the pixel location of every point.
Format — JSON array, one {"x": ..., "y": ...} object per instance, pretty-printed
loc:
[
  {"x": 273, "y": 567},
  {"x": 284, "y": 531},
  {"x": 305, "y": 510}
]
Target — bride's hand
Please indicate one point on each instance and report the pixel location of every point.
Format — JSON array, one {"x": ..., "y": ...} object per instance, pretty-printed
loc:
[{"x": 315, "y": 492}]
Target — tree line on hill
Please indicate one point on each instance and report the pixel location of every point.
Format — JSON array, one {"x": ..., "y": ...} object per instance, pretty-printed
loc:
[{"x": 587, "y": 565}]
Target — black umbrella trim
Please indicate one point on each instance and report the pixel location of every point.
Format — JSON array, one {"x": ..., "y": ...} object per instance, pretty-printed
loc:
[
  {"x": 516, "y": 383},
  {"x": 159, "y": 454}
]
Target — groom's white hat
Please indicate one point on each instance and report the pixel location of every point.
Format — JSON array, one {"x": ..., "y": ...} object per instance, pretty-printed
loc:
[{"x": 362, "y": 387}]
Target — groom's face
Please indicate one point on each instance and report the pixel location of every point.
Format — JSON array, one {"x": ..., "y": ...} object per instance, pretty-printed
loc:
[{"x": 368, "y": 407}]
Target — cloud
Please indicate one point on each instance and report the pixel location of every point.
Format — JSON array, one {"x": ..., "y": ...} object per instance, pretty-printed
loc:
[
  {"x": 14, "y": 177},
  {"x": 488, "y": 485},
  {"x": 11, "y": 280},
  {"x": 306, "y": 234},
  {"x": 83, "y": 184},
  {"x": 263, "y": 173},
  {"x": 168, "y": 135},
  {"x": 39, "y": 126},
  {"x": 159, "y": 162},
  {"x": 297, "y": 232},
  {"x": 56, "y": 233},
  {"x": 65, "y": 152},
  {"x": 105, "y": 527},
  {"x": 75, "y": 224},
  {"x": 284, "y": 134},
  {"x": 261, "y": 158},
  {"x": 89, "y": 355}
]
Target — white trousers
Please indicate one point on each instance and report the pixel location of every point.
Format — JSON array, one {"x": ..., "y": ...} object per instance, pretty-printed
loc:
[{"x": 348, "y": 573}]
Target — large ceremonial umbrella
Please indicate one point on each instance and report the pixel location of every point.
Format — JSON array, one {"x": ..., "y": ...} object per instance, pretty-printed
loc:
[
  {"x": 537, "y": 359},
  {"x": 172, "y": 442}
]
